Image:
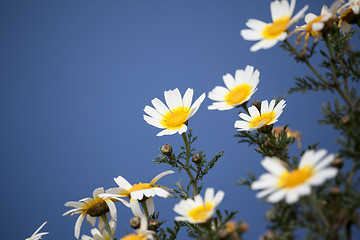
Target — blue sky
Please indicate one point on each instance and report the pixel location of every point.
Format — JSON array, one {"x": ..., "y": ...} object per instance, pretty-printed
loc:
[{"x": 76, "y": 75}]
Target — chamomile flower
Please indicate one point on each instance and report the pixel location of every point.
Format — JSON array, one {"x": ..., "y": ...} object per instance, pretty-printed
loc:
[
  {"x": 142, "y": 233},
  {"x": 268, "y": 115},
  {"x": 349, "y": 13},
  {"x": 198, "y": 210},
  {"x": 237, "y": 91},
  {"x": 91, "y": 208},
  {"x": 270, "y": 33},
  {"x": 314, "y": 25},
  {"x": 36, "y": 235},
  {"x": 173, "y": 117},
  {"x": 139, "y": 192},
  {"x": 282, "y": 183},
  {"x": 100, "y": 235}
]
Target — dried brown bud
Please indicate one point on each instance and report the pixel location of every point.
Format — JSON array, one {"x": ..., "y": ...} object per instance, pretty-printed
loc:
[
  {"x": 154, "y": 224},
  {"x": 243, "y": 227},
  {"x": 257, "y": 104},
  {"x": 196, "y": 158},
  {"x": 345, "y": 119},
  {"x": 338, "y": 162},
  {"x": 166, "y": 149},
  {"x": 98, "y": 209},
  {"x": 335, "y": 191},
  {"x": 135, "y": 222},
  {"x": 222, "y": 233}
]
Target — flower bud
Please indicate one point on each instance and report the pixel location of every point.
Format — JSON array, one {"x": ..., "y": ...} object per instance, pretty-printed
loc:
[
  {"x": 154, "y": 224},
  {"x": 98, "y": 209},
  {"x": 166, "y": 149},
  {"x": 222, "y": 233},
  {"x": 345, "y": 119},
  {"x": 270, "y": 214},
  {"x": 243, "y": 227},
  {"x": 196, "y": 158},
  {"x": 335, "y": 191},
  {"x": 338, "y": 162},
  {"x": 257, "y": 104},
  {"x": 135, "y": 222}
]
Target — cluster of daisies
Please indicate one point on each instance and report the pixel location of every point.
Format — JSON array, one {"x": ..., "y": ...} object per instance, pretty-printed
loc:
[
  {"x": 268, "y": 34},
  {"x": 280, "y": 183}
]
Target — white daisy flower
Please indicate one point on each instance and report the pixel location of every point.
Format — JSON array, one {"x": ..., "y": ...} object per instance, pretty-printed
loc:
[
  {"x": 281, "y": 183},
  {"x": 100, "y": 235},
  {"x": 347, "y": 12},
  {"x": 92, "y": 208},
  {"x": 36, "y": 235},
  {"x": 237, "y": 91},
  {"x": 198, "y": 210},
  {"x": 142, "y": 233},
  {"x": 139, "y": 192},
  {"x": 173, "y": 117},
  {"x": 268, "y": 115},
  {"x": 270, "y": 33}
]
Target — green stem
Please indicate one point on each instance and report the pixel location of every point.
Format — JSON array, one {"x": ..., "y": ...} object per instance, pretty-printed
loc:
[
  {"x": 143, "y": 204},
  {"x": 107, "y": 225},
  {"x": 331, "y": 52},
  {"x": 187, "y": 164},
  {"x": 315, "y": 203}
]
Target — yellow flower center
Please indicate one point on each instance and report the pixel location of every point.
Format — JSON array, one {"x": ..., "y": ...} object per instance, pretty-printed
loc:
[
  {"x": 238, "y": 94},
  {"x": 272, "y": 31},
  {"x": 264, "y": 119},
  {"x": 134, "y": 237},
  {"x": 140, "y": 186},
  {"x": 295, "y": 177},
  {"x": 200, "y": 213},
  {"x": 176, "y": 118}
]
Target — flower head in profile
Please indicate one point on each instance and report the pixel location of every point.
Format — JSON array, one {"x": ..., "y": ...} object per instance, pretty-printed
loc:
[
  {"x": 36, "y": 235},
  {"x": 282, "y": 183},
  {"x": 349, "y": 13},
  {"x": 237, "y": 91},
  {"x": 198, "y": 210},
  {"x": 91, "y": 208},
  {"x": 289, "y": 133},
  {"x": 142, "y": 233},
  {"x": 269, "y": 113},
  {"x": 139, "y": 192},
  {"x": 100, "y": 235},
  {"x": 173, "y": 117},
  {"x": 269, "y": 34}
]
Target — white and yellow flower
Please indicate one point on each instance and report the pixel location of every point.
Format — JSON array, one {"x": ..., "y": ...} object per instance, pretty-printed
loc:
[
  {"x": 100, "y": 235},
  {"x": 268, "y": 115},
  {"x": 36, "y": 235},
  {"x": 282, "y": 183},
  {"x": 92, "y": 208},
  {"x": 173, "y": 117},
  {"x": 348, "y": 14},
  {"x": 237, "y": 91},
  {"x": 198, "y": 210},
  {"x": 270, "y": 33},
  {"x": 139, "y": 192},
  {"x": 142, "y": 233}
]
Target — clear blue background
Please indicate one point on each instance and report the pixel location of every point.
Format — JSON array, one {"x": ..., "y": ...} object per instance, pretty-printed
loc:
[{"x": 75, "y": 77}]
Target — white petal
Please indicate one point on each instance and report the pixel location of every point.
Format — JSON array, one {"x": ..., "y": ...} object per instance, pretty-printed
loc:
[
  {"x": 265, "y": 192},
  {"x": 167, "y": 132},
  {"x": 229, "y": 81},
  {"x": 161, "y": 192},
  {"x": 78, "y": 225},
  {"x": 152, "y": 112},
  {"x": 157, "y": 177},
  {"x": 135, "y": 207},
  {"x": 264, "y": 107},
  {"x": 209, "y": 194},
  {"x": 253, "y": 111},
  {"x": 150, "y": 206},
  {"x": 197, "y": 104},
  {"x": 218, "y": 93},
  {"x": 153, "y": 121},
  {"x": 251, "y": 35},
  {"x": 112, "y": 208},
  {"x": 292, "y": 196},
  {"x": 324, "y": 162},
  {"x": 188, "y": 97},
  {"x": 173, "y": 99},
  {"x": 221, "y": 106},
  {"x": 122, "y": 182},
  {"x": 160, "y": 106},
  {"x": 309, "y": 17},
  {"x": 276, "y": 196},
  {"x": 91, "y": 220},
  {"x": 273, "y": 165},
  {"x": 218, "y": 197},
  {"x": 255, "y": 24}
]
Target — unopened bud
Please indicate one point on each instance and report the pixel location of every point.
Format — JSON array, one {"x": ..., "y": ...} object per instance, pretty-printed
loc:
[
  {"x": 345, "y": 119},
  {"x": 243, "y": 227},
  {"x": 135, "y": 222},
  {"x": 166, "y": 149},
  {"x": 335, "y": 191},
  {"x": 154, "y": 224},
  {"x": 196, "y": 158},
  {"x": 222, "y": 233},
  {"x": 338, "y": 162},
  {"x": 257, "y": 104},
  {"x": 266, "y": 128},
  {"x": 98, "y": 209},
  {"x": 270, "y": 215}
]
